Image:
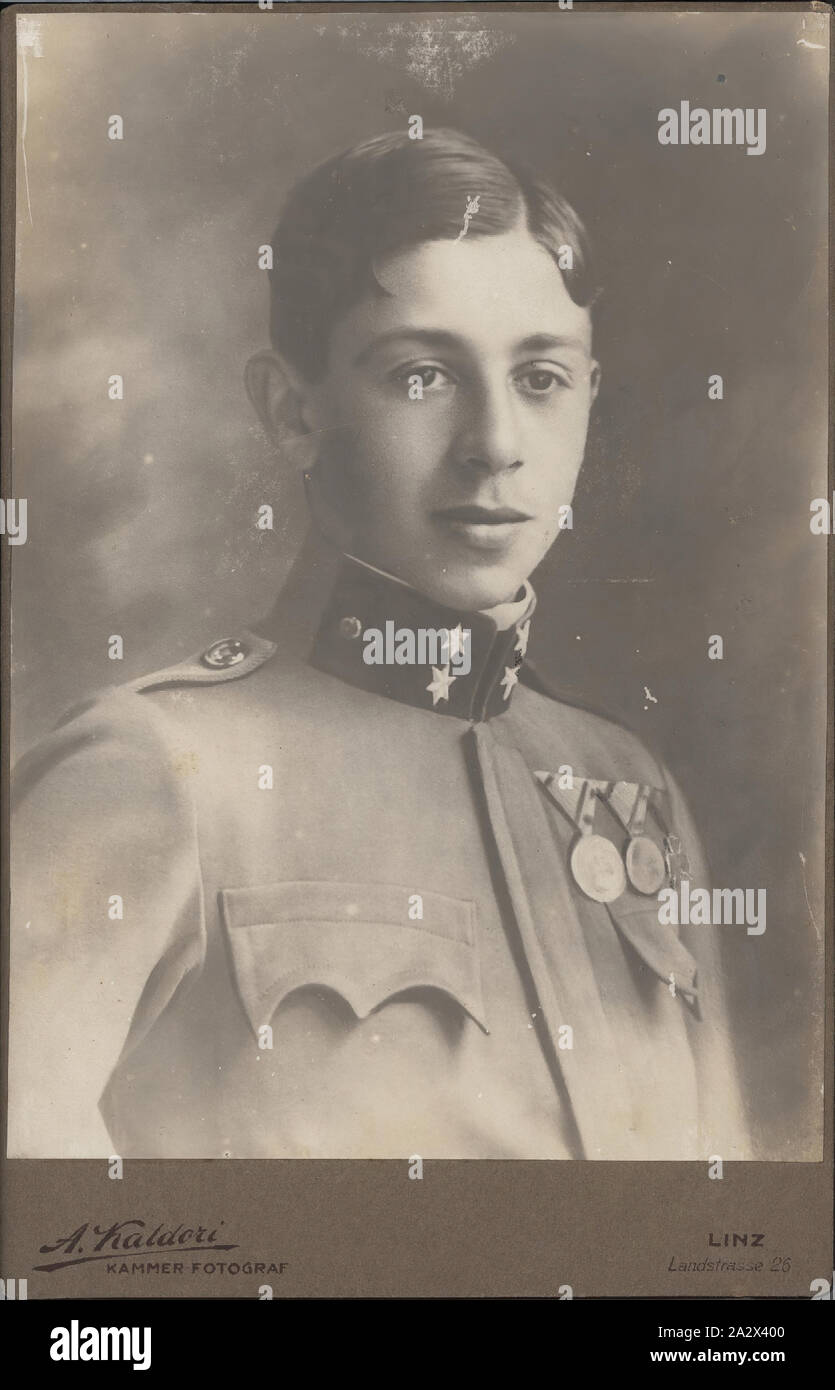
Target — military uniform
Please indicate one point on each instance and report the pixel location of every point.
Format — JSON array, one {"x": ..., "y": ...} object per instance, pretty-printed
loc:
[{"x": 367, "y": 867}]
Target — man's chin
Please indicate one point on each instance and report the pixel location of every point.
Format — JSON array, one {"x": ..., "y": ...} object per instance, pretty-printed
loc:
[
  {"x": 469, "y": 588},
  {"x": 474, "y": 593}
]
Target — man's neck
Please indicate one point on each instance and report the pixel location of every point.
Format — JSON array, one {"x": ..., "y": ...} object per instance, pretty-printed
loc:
[{"x": 504, "y": 615}]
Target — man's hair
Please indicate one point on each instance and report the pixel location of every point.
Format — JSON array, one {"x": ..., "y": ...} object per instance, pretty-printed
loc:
[{"x": 387, "y": 194}]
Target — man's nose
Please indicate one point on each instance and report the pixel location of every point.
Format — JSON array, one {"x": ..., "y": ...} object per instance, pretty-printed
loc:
[{"x": 488, "y": 439}]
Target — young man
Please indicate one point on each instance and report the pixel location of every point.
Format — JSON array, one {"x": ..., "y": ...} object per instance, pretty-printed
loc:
[{"x": 373, "y": 906}]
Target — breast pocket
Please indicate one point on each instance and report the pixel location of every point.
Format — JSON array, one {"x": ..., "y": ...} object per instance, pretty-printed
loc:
[{"x": 357, "y": 939}]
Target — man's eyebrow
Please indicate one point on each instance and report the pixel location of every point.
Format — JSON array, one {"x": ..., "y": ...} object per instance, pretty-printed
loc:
[
  {"x": 427, "y": 337},
  {"x": 547, "y": 342},
  {"x": 440, "y": 337}
]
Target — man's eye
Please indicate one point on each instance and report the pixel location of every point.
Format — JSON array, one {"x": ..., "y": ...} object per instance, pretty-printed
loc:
[
  {"x": 542, "y": 381},
  {"x": 430, "y": 378}
]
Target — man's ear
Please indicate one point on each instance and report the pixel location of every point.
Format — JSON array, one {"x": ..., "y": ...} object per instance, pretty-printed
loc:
[
  {"x": 595, "y": 377},
  {"x": 277, "y": 394}
]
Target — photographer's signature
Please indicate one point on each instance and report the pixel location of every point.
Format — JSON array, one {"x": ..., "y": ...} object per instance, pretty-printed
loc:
[{"x": 89, "y": 1243}]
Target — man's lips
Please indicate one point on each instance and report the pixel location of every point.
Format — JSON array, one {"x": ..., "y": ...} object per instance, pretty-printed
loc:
[
  {"x": 481, "y": 516},
  {"x": 482, "y": 528}
]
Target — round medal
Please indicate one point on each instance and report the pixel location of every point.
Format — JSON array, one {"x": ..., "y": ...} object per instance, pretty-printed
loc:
[
  {"x": 645, "y": 865},
  {"x": 598, "y": 868}
]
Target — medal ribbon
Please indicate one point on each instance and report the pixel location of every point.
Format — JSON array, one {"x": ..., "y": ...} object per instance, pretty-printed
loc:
[
  {"x": 630, "y": 802},
  {"x": 578, "y": 801}
]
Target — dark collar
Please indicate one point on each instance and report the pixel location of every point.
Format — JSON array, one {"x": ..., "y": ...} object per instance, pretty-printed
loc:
[{"x": 365, "y": 600}]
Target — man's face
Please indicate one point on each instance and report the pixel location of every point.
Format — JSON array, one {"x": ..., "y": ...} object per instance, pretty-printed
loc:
[{"x": 459, "y": 492}]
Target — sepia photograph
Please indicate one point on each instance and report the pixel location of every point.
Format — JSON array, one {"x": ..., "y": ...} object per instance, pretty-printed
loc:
[{"x": 416, "y": 523}]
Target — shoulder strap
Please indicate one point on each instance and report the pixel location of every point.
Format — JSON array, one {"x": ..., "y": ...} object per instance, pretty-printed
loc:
[{"x": 226, "y": 660}]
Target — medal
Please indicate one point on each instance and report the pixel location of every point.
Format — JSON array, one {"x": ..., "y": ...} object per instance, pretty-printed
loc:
[
  {"x": 678, "y": 863},
  {"x": 596, "y": 866},
  {"x": 646, "y": 866}
]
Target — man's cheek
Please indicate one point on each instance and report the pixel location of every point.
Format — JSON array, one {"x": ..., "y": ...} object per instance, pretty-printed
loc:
[
  {"x": 541, "y": 537},
  {"x": 382, "y": 437},
  {"x": 564, "y": 435}
]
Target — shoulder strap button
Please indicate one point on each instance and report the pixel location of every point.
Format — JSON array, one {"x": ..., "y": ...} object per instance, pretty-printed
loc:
[{"x": 228, "y": 652}]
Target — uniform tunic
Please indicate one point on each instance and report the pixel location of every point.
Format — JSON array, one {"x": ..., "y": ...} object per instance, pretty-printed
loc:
[{"x": 349, "y": 928}]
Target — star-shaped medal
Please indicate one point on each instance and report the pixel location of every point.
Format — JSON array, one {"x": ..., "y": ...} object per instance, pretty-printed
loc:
[
  {"x": 677, "y": 860},
  {"x": 439, "y": 685},
  {"x": 510, "y": 679}
]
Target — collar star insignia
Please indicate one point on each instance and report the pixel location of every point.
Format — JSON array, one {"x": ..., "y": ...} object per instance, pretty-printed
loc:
[
  {"x": 523, "y": 633},
  {"x": 510, "y": 679},
  {"x": 439, "y": 685}
]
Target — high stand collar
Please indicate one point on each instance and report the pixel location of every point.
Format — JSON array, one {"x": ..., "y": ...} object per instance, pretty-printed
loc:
[{"x": 372, "y": 614}]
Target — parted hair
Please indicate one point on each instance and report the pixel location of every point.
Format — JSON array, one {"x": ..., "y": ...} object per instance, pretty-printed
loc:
[{"x": 384, "y": 195}]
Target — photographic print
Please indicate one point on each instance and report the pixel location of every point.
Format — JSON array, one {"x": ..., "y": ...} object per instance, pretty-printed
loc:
[{"x": 415, "y": 519}]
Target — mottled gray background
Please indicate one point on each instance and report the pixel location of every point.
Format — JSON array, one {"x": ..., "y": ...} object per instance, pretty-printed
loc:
[{"x": 692, "y": 516}]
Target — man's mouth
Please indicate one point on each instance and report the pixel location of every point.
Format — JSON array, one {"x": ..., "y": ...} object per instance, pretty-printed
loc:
[
  {"x": 483, "y": 528},
  {"x": 486, "y": 516}
]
